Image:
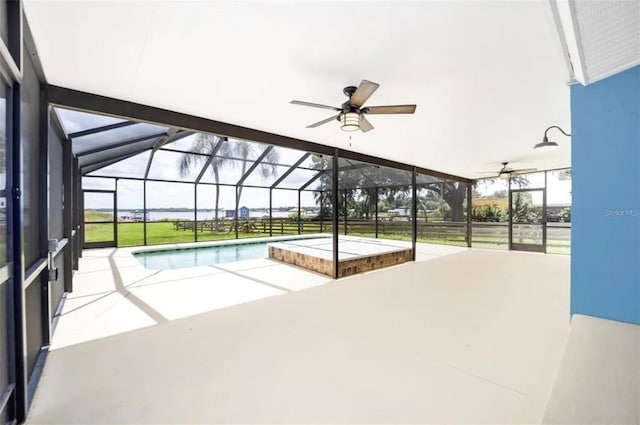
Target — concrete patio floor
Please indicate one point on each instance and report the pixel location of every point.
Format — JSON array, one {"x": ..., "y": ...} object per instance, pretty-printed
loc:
[{"x": 469, "y": 336}]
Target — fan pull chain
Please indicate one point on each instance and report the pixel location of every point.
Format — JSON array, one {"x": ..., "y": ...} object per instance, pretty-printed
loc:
[{"x": 349, "y": 140}]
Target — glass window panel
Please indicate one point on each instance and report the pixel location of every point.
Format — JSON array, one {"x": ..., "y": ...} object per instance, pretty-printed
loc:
[
  {"x": 175, "y": 166},
  {"x": 170, "y": 206},
  {"x": 357, "y": 174},
  {"x": 212, "y": 226},
  {"x": 227, "y": 204},
  {"x": 424, "y": 178},
  {"x": 267, "y": 169},
  {"x": 130, "y": 213},
  {"x": 360, "y": 184},
  {"x": 317, "y": 162},
  {"x": 188, "y": 144},
  {"x": 111, "y": 154},
  {"x": 528, "y": 181},
  {"x": 283, "y": 201},
  {"x": 207, "y": 203},
  {"x": 229, "y": 171},
  {"x": 98, "y": 183},
  {"x": 74, "y": 121},
  {"x": 116, "y": 136},
  {"x": 559, "y": 211},
  {"x": 490, "y": 214},
  {"x": 170, "y": 198},
  {"x": 432, "y": 208},
  {"x": 130, "y": 167},
  {"x": 390, "y": 176},
  {"x": 255, "y": 199},
  {"x": 244, "y": 149},
  {"x": 266, "y": 175},
  {"x": 98, "y": 207},
  {"x": 253, "y": 212},
  {"x": 288, "y": 156},
  {"x": 300, "y": 177},
  {"x": 285, "y": 211}
]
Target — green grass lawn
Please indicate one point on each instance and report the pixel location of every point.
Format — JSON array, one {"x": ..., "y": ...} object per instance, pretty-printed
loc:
[
  {"x": 164, "y": 232},
  {"x": 132, "y": 234}
]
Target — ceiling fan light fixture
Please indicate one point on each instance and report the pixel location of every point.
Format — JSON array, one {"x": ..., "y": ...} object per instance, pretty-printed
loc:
[
  {"x": 504, "y": 175},
  {"x": 350, "y": 121}
]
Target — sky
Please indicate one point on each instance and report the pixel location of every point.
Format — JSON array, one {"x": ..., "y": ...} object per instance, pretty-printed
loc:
[
  {"x": 177, "y": 195},
  {"x": 166, "y": 195},
  {"x": 180, "y": 195},
  {"x": 558, "y": 189}
]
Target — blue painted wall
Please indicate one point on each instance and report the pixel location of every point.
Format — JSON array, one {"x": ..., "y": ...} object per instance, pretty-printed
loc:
[{"x": 605, "y": 257}]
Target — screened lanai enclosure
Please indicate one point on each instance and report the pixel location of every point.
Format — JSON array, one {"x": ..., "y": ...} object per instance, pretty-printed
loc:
[{"x": 146, "y": 184}]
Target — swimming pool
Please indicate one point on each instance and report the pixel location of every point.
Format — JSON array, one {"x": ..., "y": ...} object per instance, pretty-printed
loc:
[{"x": 202, "y": 256}]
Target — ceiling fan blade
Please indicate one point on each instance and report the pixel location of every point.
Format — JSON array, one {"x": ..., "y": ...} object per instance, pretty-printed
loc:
[
  {"x": 364, "y": 92},
  {"x": 390, "y": 109},
  {"x": 523, "y": 170},
  {"x": 365, "y": 125},
  {"x": 319, "y": 123},
  {"x": 314, "y": 105},
  {"x": 487, "y": 172}
]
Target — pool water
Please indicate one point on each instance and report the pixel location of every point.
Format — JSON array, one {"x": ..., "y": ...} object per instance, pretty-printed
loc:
[{"x": 202, "y": 256}]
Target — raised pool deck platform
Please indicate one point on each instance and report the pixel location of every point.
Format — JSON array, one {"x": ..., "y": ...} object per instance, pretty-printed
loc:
[{"x": 355, "y": 255}]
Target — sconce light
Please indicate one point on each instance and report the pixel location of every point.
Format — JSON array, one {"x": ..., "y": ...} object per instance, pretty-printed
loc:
[{"x": 546, "y": 144}]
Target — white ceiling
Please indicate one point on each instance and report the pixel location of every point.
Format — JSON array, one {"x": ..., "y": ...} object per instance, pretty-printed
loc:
[{"x": 488, "y": 77}]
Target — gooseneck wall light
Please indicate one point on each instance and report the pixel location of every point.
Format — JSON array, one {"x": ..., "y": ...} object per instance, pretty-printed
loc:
[{"x": 547, "y": 145}]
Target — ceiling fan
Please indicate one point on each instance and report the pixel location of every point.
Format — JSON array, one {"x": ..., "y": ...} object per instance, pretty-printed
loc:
[
  {"x": 506, "y": 172},
  {"x": 352, "y": 113}
]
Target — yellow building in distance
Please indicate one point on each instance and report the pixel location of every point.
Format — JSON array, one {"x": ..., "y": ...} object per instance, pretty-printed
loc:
[{"x": 500, "y": 202}]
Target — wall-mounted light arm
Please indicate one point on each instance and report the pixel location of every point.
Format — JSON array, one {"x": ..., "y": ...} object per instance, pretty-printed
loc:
[
  {"x": 549, "y": 145},
  {"x": 555, "y": 126}
]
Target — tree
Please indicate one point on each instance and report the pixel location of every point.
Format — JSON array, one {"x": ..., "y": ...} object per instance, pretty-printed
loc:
[
  {"x": 363, "y": 184},
  {"x": 454, "y": 194},
  {"x": 205, "y": 144},
  {"x": 244, "y": 149},
  {"x": 241, "y": 149},
  {"x": 489, "y": 213},
  {"x": 564, "y": 174}
]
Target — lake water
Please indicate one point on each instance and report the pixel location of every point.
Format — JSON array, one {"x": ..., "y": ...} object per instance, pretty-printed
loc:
[{"x": 202, "y": 215}]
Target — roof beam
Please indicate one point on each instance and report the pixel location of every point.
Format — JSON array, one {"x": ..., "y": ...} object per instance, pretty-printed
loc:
[
  {"x": 214, "y": 151},
  {"x": 312, "y": 179},
  {"x": 121, "y": 144},
  {"x": 57, "y": 124},
  {"x": 173, "y": 135},
  {"x": 321, "y": 172},
  {"x": 121, "y": 108},
  {"x": 356, "y": 167},
  {"x": 104, "y": 128},
  {"x": 96, "y": 165},
  {"x": 148, "y": 167},
  {"x": 290, "y": 170},
  {"x": 254, "y": 165}
]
